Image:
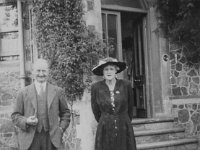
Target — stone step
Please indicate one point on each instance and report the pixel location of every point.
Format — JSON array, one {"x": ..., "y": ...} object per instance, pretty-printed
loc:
[
  {"x": 153, "y": 123},
  {"x": 159, "y": 131},
  {"x": 179, "y": 144},
  {"x": 148, "y": 136}
]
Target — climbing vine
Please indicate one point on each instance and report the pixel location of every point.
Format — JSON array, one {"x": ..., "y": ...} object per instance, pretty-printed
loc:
[
  {"x": 180, "y": 22},
  {"x": 64, "y": 39}
]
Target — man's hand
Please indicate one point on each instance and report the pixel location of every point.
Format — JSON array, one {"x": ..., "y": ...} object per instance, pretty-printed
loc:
[{"x": 32, "y": 120}]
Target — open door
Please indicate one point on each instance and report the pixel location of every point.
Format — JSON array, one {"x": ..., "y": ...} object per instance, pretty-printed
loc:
[
  {"x": 139, "y": 69},
  {"x": 133, "y": 45},
  {"x": 125, "y": 31}
]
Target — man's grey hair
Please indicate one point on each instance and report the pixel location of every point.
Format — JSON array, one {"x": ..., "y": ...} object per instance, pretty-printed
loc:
[{"x": 40, "y": 61}]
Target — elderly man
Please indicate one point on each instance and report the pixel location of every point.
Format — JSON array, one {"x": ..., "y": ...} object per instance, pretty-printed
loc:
[{"x": 41, "y": 112}]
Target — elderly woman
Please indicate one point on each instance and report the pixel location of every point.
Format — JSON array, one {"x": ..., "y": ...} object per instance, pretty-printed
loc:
[{"x": 112, "y": 106}]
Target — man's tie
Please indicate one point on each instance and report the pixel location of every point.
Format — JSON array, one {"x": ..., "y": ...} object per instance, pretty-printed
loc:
[{"x": 41, "y": 90}]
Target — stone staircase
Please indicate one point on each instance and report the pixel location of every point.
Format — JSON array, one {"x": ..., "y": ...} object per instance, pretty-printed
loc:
[{"x": 161, "y": 134}]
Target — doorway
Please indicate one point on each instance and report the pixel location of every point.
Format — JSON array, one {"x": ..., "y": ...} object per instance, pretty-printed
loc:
[
  {"x": 133, "y": 47},
  {"x": 126, "y": 32}
]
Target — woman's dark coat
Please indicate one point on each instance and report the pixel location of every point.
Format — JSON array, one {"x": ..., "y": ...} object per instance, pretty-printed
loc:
[{"x": 114, "y": 131}]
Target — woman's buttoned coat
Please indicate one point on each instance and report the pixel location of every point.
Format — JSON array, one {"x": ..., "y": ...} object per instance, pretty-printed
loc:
[{"x": 114, "y": 131}]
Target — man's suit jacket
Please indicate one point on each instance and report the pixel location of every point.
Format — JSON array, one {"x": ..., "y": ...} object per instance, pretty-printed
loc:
[{"x": 26, "y": 105}]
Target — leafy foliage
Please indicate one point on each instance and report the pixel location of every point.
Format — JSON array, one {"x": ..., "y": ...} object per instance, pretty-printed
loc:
[
  {"x": 181, "y": 23},
  {"x": 64, "y": 39}
]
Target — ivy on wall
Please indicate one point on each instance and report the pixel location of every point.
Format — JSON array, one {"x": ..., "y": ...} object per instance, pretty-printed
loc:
[
  {"x": 180, "y": 22},
  {"x": 64, "y": 39}
]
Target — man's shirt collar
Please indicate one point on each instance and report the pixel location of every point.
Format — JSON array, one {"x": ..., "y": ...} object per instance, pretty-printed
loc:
[{"x": 38, "y": 86}]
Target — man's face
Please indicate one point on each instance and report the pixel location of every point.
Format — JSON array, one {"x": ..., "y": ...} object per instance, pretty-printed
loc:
[{"x": 41, "y": 72}]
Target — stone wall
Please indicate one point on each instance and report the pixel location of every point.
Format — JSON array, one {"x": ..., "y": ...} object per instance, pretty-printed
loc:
[
  {"x": 187, "y": 115},
  {"x": 184, "y": 77},
  {"x": 71, "y": 142},
  {"x": 184, "y": 90},
  {"x": 9, "y": 85},
  {"x": 92, "y": 15}
]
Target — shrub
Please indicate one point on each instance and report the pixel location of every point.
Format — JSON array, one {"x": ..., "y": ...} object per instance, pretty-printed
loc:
[
  {"x": 64, "y": 39},
  {"x": 181, "y": 23}
]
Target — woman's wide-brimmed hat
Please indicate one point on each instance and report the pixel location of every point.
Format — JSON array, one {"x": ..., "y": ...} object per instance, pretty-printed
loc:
[{"x": 98, "y": 70}]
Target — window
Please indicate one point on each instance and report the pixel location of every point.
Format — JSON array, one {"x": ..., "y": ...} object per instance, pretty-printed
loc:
[
  {"x": 8, "y": 33},
  {"x": 111, "y": 28}
]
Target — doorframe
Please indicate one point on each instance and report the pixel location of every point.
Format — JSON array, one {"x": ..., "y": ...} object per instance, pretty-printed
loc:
[
  {"x": 147, "y": 59},
  {"x": 123, "y": 8},
  {"x": 147, "y": 49}
]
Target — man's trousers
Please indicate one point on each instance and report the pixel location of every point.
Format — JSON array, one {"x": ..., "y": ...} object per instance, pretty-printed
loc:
[{"x": 41, "y": 141}]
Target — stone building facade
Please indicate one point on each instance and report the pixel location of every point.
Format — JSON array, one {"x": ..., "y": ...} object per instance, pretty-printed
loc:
[
  {"x": 8, "y": 89},
  {"x": 184, "y": 90},
  {"x": 164, "y": 82},
  {"x": 184, "y": 76}
]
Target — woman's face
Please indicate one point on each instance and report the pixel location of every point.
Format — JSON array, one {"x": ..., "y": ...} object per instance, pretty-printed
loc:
[{"x": 109, "y": 72}]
